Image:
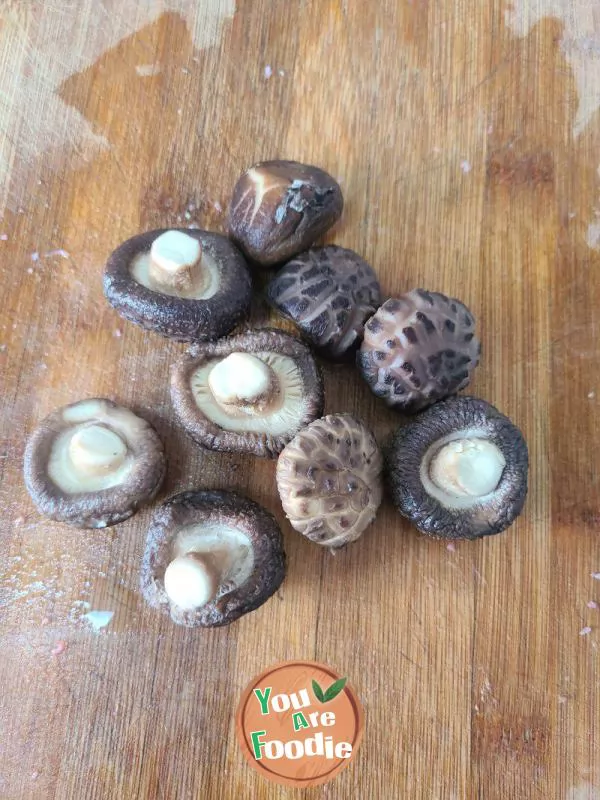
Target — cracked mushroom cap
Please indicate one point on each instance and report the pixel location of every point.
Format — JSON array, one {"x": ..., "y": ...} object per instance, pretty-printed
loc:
[
  {"x": 459, "y": 470},
  {"x": 418, "y": 349},
  {"x": 188, "y": 285},
  {"x": 210, "y": 557},
  {"x": 248, "y": 393},
  {"x": 279, "y": 208},
  {"x": 329, "y": 480},
  {"x": 93, "y": 464},
  {"x": 329, "y": 292}
]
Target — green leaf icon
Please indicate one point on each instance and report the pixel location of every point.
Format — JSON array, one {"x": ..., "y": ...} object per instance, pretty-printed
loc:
[
  {"x": 333, "y": 691},
  {"x": 318, "y": 692}
]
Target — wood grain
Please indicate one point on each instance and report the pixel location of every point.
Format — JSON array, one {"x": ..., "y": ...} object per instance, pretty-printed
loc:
[{"x": 466, "y": 138}]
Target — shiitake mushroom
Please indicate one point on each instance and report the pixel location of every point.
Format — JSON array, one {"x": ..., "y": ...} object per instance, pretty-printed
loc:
[
  {"x": 210, "y": 557},
  {"x": 459, "y": 470},
  {"x": 248, "y": 393},
  {"x": 329, "y": 480},
  {"x": 279, "y": 208},
  {"x": 93, "y": 464},
  {"x": 188, "y": 285},
  {"x": 418, "y": 348},
  {"x": 329, "y": 292}
]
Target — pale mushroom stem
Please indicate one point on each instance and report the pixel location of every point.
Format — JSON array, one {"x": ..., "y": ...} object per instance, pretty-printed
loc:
[
  {"x": 175, "y": 261},
  {"x": 242, "y": 380},
  {"x": 97, "y": 450},
  {"x": 191, "y": 581},
  {"x": 467, "y": 467}
]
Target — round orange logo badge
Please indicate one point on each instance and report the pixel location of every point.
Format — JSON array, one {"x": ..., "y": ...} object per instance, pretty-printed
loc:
[{"x": 299, "y": 723}]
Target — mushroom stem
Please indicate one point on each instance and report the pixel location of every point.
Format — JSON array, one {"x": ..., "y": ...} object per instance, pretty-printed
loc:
[
  {"x": 97, "y": 450},
  {"x": 242, "y": 380},
  {"x": 175, "y": 260},
  {"x": 467, "y": 467},
  {"x": 191, "y": 581}
]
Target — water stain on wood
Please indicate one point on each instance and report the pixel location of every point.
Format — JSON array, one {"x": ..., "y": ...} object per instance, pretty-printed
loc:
[
  {"x": 533, "y": 169},
  {"x": 512, "y": 737}
]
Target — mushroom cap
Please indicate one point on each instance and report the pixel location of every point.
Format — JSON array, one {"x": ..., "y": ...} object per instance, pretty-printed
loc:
[
  {"x": 329, "y": 292},
  {"x": 279, "y": 208},
  {"x": 212, "y": 427},
  {"x": 411, "y": 456},
  {"x": 104, "y": 500},
  {"x": 214, "y": 511},
  {"x": 329, "y": 480},
  {"x": 185, "y": 319},
  {"x": 417, "y": 349}
]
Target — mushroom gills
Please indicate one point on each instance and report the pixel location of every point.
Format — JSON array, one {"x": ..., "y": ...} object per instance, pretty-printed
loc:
[
  {"x": 279, "y": 415},
  {"x": 209, "y": 560},
  {"x": 462, "y": 469},
  {"x": 177, "y": 266},
  {"x": 89, "y": 458}
]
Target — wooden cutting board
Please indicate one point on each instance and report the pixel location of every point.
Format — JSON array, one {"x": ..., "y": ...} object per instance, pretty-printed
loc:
[{"x": 466, "y": 138}]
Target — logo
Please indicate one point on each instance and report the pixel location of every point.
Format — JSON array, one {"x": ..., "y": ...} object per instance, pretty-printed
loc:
[{"x": 299, "y": 723}]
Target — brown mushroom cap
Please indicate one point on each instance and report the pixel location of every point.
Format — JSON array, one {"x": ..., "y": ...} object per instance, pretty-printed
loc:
[
  {"x": 93, "y": 464},
  {"x": 297, "y": 396},
  {"x": 215, "y": 522},
  {"x": 329, "y": 480},
  {"x": 450, "y": 498},
  {"x": 197, "y": 313},
  {"x": 329, "y": 292},
  {"x": 279, "y": 208},
  {"x": 417, "y": 349}
]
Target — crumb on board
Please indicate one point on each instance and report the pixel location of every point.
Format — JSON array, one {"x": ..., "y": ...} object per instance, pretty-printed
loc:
[
  {"x": 466, "y": 166},
  {"x": 562, "y": 698},
  {"x": 58, "y": 252},
  {"x": 3, "y": 237},
  {"x": 593, "y": 235},
  {"x": 98, "y": 619},
  {"x": 451, "y": 547},
  {"x": 59, "y": 648},
  {"x": 117, "y": 333},
  {"x": 585, "y": 631},
  {"x": 35, "y": 256},
  {"x": 592, "y": 604},
  {"x": 281, "y": 73},
  {"x": 591, "y": 395},
  {"x": 268, "y": 72},
  {"x": 595, "y": 575},
  {"x": 147, "y": 70}
]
